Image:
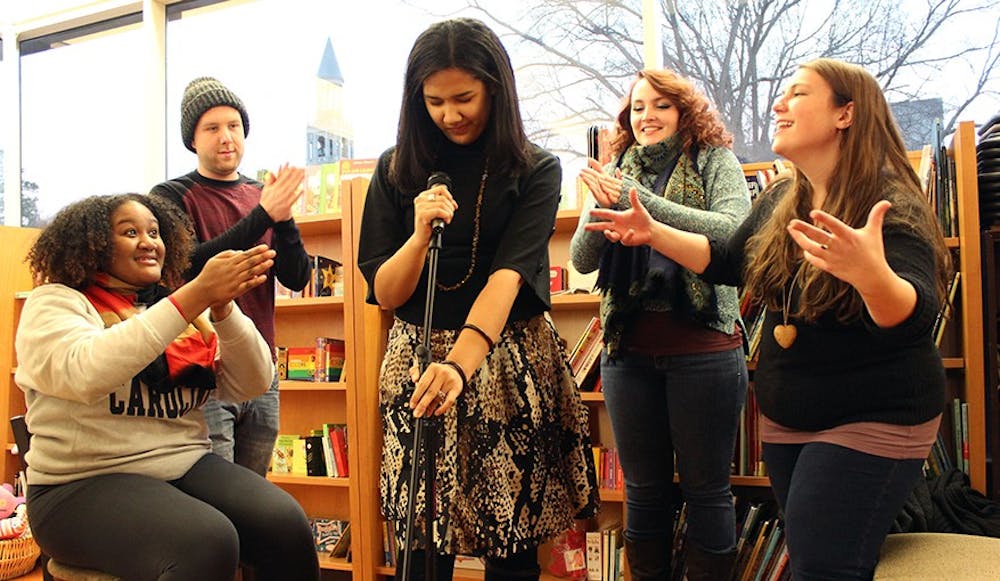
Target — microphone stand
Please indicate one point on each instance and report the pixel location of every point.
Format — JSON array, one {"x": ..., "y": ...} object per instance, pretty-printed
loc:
[{"x": 424, "y": 441}]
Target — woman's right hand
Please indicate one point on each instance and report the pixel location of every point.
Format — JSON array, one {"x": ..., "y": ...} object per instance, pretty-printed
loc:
[
  {"x": 437, "y": 202},
  {"x": 605, "y": 187}
]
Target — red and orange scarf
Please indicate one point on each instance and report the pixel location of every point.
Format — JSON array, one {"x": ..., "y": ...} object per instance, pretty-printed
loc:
[{"x": 188, "y": 361}]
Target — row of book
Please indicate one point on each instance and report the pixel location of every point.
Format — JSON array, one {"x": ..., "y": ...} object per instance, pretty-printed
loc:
[
  {"x": 326, "y": 279},
  {"x": 748, "y": 458},
  {"x": 320, "y": 453},
  {"x": 322, "y": 186},
  {"x": 761, "y": 551},
  {"x": 332, "y": 537},
  {"x": 936, "y": 171},
  {"x": 608, "y": 468},
  {"x": 605, "y": 549},
  {"x": 322, "y": 362}
]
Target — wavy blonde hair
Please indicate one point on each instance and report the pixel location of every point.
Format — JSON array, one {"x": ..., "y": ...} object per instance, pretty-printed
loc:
[{"x": 872, "y": 166}]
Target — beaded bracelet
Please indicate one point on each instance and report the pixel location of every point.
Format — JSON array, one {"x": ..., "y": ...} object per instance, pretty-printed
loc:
[
  {"x": 461, "y": 372},
  {"x": 489, "y": 341}
]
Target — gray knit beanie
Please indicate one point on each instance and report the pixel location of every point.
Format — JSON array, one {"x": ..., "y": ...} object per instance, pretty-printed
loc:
[{"x": 201, "y": 95}]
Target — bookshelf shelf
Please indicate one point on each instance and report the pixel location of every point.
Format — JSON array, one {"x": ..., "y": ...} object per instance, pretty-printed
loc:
[
  {"x": 334, "y": 563},
  {"x": 293, "y": 385},
  {"x": 319, "y": 224},
  {"x": 308, "y": 305},
  {"x": 584, "y": 301},
  {"x": 308, "y": 480}
]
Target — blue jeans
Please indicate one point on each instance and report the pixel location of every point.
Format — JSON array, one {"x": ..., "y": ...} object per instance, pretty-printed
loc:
[
  {"x": 245, "y": 432},
  {"x": 838, "y": 506},
  {"x": 684, "y": 404}
]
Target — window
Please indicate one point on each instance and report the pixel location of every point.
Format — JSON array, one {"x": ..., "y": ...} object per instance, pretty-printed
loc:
[{"x": 81, "y": 113}]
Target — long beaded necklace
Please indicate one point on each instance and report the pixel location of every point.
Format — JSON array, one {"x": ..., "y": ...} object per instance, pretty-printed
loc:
[
  {"x": 785, "y": 333},
  {"x": 475, "y": 233}
]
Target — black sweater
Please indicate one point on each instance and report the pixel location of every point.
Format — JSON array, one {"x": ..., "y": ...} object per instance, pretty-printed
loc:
[{"x": 835, "y": 374}]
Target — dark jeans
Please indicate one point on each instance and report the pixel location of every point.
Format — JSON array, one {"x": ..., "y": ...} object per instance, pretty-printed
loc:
[
  {"x": 200, "y": 526},
  {"x": 688, "y": 405},
  {"x": 838, "y": 505}
]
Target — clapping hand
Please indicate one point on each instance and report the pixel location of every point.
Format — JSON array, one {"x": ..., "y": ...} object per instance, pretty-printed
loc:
[
  {"x": 281, "y": 191},
  {"x": 605, "y": 187},
  {"x": 230, "y": 274}
]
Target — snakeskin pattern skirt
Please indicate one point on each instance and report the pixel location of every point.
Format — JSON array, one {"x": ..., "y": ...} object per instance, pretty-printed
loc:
[{"x": 514, "y": 464}]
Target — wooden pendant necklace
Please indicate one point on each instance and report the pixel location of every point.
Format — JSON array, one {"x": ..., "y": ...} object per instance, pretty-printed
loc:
[
  {"x": 475, "y": 233},
  {"x": 785, "y": 333}
]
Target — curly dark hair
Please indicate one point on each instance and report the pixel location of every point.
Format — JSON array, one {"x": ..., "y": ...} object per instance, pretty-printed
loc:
[
  {"x": 699, "y": 124},
  {"x": 76, "y": 245}
]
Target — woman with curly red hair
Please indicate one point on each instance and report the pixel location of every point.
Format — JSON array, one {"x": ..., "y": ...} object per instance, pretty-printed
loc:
[{"x": 673, "y": 371}]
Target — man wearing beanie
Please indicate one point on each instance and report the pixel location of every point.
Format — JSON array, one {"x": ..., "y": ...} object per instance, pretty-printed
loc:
[{"x": 232, "y": 211}]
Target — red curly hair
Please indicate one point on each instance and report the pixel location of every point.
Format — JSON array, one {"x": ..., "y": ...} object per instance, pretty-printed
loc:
[{"x": 698, "y": 122}]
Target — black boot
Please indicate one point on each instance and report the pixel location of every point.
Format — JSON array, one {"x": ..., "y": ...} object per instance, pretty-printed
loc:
[
  {"x": 705, "y": 566},
  {"x": 648, "y": 560}
]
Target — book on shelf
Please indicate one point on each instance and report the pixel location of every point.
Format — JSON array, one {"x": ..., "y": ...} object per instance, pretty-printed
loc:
[
  {"x": 558, "y": 279},
  {"x": 315, "y": 460},
  {"x": 603, "y": 550},
  {"x": 338, "y": 444},
  {"x": 281, "y": 456},
  {"x": 330, "y": 354},
  {"x": 301, "y": 363},
  {"x": 326, "y": 278},
  {"x": 323, "y": 362},
  {"x": 328, "y": 461},
  {"x": 281, "y": 362},
  {"x": 341, "y": 549},
  {"x": 754, "y": 185},
  {"x": 322, "y": 185},
  {"x": 300, "y": 465},
  {"x": 944, "y": 313},
  {"x": 327, "y": 532},
  {"x": 585, "y": 343}
]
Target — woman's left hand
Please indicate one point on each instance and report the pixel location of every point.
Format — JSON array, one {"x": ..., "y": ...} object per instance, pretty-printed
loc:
[
  {"x": 606, "y": 188},
  {"x": 436, "y": 390},
  {"x": 631, "y": 227},
  {"x": 855, "y": 256}
]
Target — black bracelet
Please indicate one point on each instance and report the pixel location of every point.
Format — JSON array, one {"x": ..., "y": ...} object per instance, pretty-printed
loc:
[
  {"x": 461, "y": 372},
  {"x": 489, "y": 342}
]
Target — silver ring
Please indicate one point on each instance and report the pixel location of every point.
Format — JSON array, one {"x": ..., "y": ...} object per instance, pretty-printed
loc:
[
  {"x": 824, "y": 246},
  {"x": 441, "y": 396},
  {"x": 430, "y": 197}
]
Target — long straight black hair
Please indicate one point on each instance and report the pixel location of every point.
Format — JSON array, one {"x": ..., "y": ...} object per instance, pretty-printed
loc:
[{"x": 469, "y": 45}]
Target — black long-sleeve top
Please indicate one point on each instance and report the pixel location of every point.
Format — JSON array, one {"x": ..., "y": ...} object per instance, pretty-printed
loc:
[
  {"x": 833, "y": 373},
  {"x": 517, "y": 219},
  {"x": 227, "y": 215}
]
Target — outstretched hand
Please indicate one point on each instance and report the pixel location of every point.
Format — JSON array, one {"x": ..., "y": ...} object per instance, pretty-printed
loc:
[
  {"x": 854, "y": 255},
  {"x": 631, "y": 227}
]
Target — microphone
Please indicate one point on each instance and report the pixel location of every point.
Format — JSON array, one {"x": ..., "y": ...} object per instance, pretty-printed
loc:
[{"x": 438, "y": 178}]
